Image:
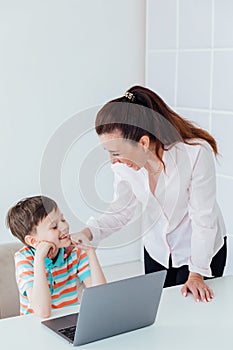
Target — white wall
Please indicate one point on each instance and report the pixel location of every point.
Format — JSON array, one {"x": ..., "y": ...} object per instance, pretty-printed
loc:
[
  {"x": 189, "y": 63},
  {"x": 60, "y": 57}
]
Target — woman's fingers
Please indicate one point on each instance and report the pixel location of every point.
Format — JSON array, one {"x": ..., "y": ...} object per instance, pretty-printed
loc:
[
  {"x": 195, "y": 293},
  {"x": 69, "y": 249},
  {"x": 184, "y": 290},
  {"x": 199, "y": 290}
]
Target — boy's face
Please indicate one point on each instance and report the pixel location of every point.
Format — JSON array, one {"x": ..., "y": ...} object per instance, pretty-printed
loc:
[{"x": 54, "y": 228}]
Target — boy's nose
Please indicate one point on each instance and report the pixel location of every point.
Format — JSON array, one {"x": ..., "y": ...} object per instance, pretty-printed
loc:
[
  {"x": 64, "y": 227},
  {"x": 64, "y": 231}
]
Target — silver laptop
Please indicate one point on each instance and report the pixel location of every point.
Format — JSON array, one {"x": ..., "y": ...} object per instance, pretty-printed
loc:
[{"x": 111, "y": 309}]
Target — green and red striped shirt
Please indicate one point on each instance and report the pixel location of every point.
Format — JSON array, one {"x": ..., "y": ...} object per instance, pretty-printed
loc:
[{"x": 63, "y": 275}]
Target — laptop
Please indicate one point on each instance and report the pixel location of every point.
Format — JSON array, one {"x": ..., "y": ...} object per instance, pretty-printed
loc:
[{"x": 111, "y": 309}]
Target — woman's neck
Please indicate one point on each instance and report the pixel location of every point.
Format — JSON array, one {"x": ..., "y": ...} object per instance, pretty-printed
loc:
[{"x": 154, "y": 164}]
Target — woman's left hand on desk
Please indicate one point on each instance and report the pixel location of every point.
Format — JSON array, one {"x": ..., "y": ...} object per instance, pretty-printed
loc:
[{"x": 196, "y": 285}]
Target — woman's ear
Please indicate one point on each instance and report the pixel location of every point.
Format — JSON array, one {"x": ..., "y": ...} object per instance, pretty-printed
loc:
[
  {"x": 144, "y": 141},
  {"x": 30, "y": 240}
]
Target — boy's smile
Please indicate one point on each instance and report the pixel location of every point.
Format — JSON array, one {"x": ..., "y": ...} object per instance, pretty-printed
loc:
[{"x": 53, "y": 228}]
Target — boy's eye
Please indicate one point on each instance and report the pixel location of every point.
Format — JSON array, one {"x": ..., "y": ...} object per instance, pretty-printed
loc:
[
  {"x": 54, "y": 227},
  {"x": 115, "y": 154},
  {"x": 63, "y": 220}
]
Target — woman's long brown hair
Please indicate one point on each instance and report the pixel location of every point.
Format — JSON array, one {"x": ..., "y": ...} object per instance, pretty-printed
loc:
[{"x": 145, "y": 113}]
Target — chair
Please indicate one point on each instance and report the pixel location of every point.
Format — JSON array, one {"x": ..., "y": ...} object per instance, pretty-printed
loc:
[{"x": 9, "y": 296}]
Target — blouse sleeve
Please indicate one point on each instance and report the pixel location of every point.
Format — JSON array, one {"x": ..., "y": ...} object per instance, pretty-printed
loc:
[
  {"x": 202, "y": 211},
  {"x": 117, "y": 215}
]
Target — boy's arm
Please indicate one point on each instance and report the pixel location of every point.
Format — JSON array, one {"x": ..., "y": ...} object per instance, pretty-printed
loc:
[
  {"x": 97, "y": 276},
  {"x": 39, "y": 294}
]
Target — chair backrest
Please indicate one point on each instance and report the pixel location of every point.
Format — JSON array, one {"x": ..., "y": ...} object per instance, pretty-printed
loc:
[{"x": 9, "y": 296}]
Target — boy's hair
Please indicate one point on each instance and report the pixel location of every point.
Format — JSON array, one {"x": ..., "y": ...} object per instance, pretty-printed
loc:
[{"x": 23, "y": 217}]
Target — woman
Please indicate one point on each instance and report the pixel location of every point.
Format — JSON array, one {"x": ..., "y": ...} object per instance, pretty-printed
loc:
[{"x": 167, "y": 164}]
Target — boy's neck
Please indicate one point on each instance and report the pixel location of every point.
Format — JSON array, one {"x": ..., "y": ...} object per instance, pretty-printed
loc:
[{"x": 54, "y": 257}]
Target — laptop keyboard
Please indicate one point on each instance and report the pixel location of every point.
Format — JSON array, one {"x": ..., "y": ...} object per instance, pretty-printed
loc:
[{"x": 68, "y": 332}]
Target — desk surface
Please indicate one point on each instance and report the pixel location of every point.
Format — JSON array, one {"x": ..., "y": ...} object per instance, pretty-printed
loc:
[{"x": 181, "y": 324}]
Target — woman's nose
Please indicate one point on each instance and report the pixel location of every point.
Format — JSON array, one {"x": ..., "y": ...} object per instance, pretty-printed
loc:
[{"x": 114, "y": 160}]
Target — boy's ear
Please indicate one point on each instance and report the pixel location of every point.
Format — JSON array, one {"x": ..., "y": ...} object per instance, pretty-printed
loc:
[{"x": 30, "y": 240}]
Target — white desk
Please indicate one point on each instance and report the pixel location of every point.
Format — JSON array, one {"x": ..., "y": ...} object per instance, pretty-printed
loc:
[{"x": 181, "y": 324}]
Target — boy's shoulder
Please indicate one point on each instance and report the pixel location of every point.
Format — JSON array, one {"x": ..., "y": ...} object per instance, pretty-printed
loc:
[
  {"x": 28, "y": 253},
  {"x": 25, "y": 252},
  {"x": 77, "y": 253}
]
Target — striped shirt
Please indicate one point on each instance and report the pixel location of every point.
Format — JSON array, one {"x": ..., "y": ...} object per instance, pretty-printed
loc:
[{"x": 64, "y": 277}]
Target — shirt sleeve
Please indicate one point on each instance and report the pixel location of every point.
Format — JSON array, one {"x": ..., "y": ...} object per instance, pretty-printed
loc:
[
  {"x": 24, "y": 270},
  {"x": 83, "y": 266},
  {"x": 117, "y": 215},
  {"x": 202, "y": 211}
]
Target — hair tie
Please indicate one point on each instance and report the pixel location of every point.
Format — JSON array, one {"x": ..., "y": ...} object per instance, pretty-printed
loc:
[{"x": 129, "y": 95}]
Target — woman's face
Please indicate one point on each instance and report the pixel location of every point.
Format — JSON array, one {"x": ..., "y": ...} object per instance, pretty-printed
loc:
[{"x": 120, "y": 150}]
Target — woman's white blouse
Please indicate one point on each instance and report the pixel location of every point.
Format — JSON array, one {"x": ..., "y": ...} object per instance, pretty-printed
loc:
[{"x": 181, "y": 219}]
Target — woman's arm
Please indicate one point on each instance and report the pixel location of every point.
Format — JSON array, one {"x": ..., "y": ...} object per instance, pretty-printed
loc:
[
  {"x": 202, "y": 212},
  {"x": 116, "y": 216}
]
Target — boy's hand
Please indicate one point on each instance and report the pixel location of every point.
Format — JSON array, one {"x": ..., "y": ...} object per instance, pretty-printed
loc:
[{"x": 45, "y": 249}]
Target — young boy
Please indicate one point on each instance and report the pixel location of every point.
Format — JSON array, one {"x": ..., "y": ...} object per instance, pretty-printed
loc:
[{"x": 46, "y": 278}]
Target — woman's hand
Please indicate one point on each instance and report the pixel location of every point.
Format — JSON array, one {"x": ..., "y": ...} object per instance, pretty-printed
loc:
[
  {"x": 85, "y": 233},
  {"x": 196, "y": 285},
  {"x": 77, "y": 239},
  {"x": 84, "y": 244}
]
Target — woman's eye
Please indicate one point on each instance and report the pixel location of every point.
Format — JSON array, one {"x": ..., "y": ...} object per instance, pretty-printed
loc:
[
  {"x": 63, "y": 220},
  {"x": 54, "y": 227},
  {"x": 115, "y": 154}
]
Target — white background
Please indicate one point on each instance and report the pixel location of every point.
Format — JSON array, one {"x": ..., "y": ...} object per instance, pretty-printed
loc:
[
  {"x": 189, "y": 55},
  {"x": 60, "y": 58}
]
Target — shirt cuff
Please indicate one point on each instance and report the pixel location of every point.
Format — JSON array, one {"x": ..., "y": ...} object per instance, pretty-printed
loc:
[
  {"x": 205, "y": 272},
  {"x": 93, "y": 227}
]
